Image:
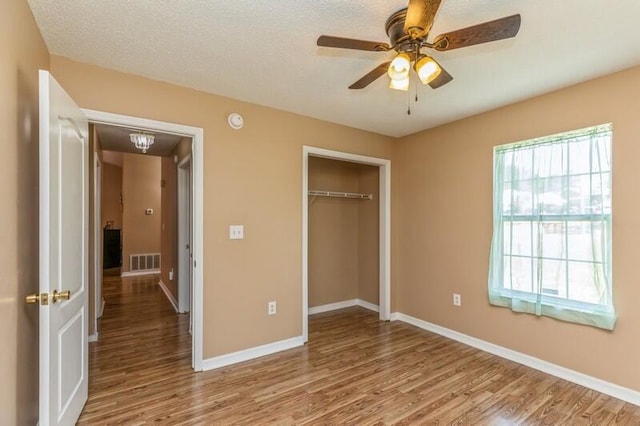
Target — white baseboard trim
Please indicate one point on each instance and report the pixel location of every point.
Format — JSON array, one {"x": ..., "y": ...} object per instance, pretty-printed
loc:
[
  {"x": 333, "y": 306},
  {"x": 139, "y": 273},
  {"x": 617, "y": 391},
  {"x": 251, "y": 353},
  {"x": 167, "y": 293},
  {"x": 367, "y": 305},
  {"x": 341, "y": 305},
  {"x": 93, "y": 337}
]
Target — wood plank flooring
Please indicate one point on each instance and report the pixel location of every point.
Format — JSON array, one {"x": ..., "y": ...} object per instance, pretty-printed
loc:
[{"x": 355, "y": 370}]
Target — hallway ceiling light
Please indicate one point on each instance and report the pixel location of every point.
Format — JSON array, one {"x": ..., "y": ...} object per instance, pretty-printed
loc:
[{"x": 142, "y": 141}]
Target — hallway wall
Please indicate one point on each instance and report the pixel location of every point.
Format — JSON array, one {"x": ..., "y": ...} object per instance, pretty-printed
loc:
[
  {"x": 169, "y": 216},
  {"x": 111, "y": 195},
  {"x": 141, "y": 176}
]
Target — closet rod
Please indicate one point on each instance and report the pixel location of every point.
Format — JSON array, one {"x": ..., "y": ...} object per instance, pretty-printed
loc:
[{"x": 341, "y": 195}]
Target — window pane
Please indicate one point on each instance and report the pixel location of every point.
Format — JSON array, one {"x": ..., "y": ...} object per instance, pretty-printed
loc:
[
  {"x": 521, "y": 165},
  {"x": 601, "y": 193},
  {"x": 586, "y": 282},
  {"x": 517, "y": 238},
  {"x": 520, "y": 197},
  {"x": 585, "y": 241},
  {"x": 549, "y": 240},
  {"x": 517, "y": 273},
  {"x": 580, "y": 156},
  {"x": 579, "y": 194},
  {"x": 550, "y": 196},
  {"x": 550, "y": 160},
  {"x": 553, "y": 277},
  {"x": 601, "y": 156}
]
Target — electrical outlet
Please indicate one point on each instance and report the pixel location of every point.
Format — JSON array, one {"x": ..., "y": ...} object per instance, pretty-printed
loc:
[
  {"x": 271, "y": 308},
  {"x": 236, "y": 232},
  {"x": 457, "y": 299}
]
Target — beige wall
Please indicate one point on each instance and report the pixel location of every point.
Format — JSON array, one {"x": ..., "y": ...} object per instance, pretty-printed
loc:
[
  {"x": 333, "y": 233},
  {"x": 369, "y": 235},
  {"x": 169, "y": 225},
  {"x": 343, "y": 233},
  {"x": 251, "y": 177},
  {"x": 169, "y": 202},
  {"x": 141, "y": 176},
  {"x": 443, "y": 224},
  {"x": 23, "y": 53},
  {"x": 111, "y": 195}
]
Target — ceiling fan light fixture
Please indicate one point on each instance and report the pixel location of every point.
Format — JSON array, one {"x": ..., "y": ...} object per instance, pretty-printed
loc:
[
  {"x": 399, "y": 67},
  {"x": 142, "y": 141},
  {"x": 399, "y": 84},
  {"x": 427, "y": 69}
]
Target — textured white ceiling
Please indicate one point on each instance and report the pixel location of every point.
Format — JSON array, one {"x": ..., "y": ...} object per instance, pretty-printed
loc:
[{"x": 265, "y": 51}]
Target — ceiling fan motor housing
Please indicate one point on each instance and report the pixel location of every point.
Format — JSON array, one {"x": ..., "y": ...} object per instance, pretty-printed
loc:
[{"x": 394, "y": 27}]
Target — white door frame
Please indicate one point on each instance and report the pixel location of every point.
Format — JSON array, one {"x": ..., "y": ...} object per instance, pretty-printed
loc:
[
  {"x": 384, "y": 224},
  {"x": 97, "y": 244},
  {"x": 197, "y": 135},
  {"x": 184, "y": 234}
]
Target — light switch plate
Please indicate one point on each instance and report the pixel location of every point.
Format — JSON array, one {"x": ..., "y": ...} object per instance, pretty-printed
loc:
[{"x": 236, "y": 232}]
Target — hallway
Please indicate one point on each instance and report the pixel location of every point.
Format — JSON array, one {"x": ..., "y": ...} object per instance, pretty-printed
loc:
[{"x": 144, "y": 346}]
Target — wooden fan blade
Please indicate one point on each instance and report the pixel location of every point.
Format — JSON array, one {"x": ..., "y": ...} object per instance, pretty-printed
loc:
[
  {"x": 443, "y": 78},
  {"x": 371, "y": 76},
  {"x": 482, "y": 33},
  {"x": 350, "y": 43},
  {"x": 420, "y": 16}
]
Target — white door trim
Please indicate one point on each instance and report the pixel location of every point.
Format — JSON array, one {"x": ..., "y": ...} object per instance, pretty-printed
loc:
[
  {"x": 384, "y": 223},
  {"x": 184, "y": 234},
  {"x": 97, "y": 242},
  {"x": 197, "y": 135}
]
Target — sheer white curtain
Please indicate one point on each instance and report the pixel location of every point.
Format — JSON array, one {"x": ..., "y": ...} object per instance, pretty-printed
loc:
[{"x": 551, "y": 247}]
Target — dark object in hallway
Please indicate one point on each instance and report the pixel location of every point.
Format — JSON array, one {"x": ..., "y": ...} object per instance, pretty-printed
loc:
[{"x": 112, "y": 249}]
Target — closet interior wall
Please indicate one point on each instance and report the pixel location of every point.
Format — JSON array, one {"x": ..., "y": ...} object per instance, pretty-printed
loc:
[{"x": 343, "y": 233}]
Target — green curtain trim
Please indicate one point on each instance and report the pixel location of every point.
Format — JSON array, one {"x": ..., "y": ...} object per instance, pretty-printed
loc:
[
  {"x": 605, "y": 320},
  {"x": 560, "y": 137}
]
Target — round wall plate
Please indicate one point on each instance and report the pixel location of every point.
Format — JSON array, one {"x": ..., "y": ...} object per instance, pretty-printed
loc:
[{"x": 235, "y": 120}]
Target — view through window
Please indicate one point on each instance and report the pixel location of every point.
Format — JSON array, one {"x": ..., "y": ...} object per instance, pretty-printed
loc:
[{"x": 551, "y": 249}]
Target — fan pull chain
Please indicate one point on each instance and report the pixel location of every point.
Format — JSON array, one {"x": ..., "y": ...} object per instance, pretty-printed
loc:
[{"x": 409, "y": 101}]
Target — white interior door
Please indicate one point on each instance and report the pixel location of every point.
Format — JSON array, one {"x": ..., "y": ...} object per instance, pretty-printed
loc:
[{"x": 63, "y": 256}]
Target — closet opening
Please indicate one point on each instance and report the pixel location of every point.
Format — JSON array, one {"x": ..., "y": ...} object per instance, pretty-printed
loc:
[{"x": 346, "y": 233}]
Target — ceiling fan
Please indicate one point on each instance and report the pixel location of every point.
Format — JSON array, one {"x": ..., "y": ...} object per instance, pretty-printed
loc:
[{"x": 408, "y": 30}]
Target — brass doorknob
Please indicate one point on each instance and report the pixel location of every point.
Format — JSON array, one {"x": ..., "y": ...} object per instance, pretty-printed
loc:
[
  {"x": 43, "y": 299},
  {"x": 60, "y": 295}
]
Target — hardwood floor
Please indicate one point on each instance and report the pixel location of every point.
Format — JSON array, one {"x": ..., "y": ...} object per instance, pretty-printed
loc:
[{"x": 355, "y": 370}]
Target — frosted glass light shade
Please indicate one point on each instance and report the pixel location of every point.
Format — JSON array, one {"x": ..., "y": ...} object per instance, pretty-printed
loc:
[
  {"x": 399, "y": 67},
  {"x": 427, "y": 69},
  {"x": 399, "y": 84}
]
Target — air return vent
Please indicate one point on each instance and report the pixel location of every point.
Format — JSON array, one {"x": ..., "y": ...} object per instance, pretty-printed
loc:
[{"x": 144, "y": 262}]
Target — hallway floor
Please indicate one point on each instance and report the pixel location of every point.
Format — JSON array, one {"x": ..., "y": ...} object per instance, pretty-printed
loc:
[{"x": 355, "y": 370}]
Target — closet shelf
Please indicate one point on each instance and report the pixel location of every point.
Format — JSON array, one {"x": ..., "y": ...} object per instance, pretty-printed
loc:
[{"x": 337, "y": 194}]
